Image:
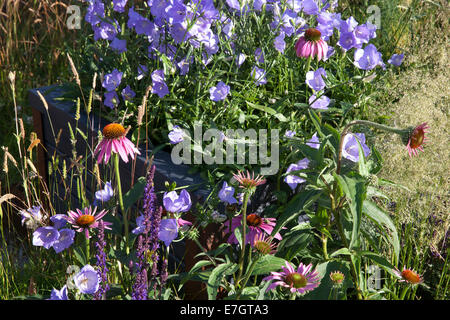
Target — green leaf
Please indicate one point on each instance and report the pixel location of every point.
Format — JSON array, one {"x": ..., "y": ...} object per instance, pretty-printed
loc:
[
  {"x": 343, "y": 251},
  {"x": 295, "y": 206},
  {"x": 79, "y": 254},
  {"x": 354, "y": 189},
  {"x": 382, "y": 218},
  {"x": 382, "y": 262},
  {"x": 267, "y": 264},
  {"x": 268, "y": 110},
  {"x": 216, "y": 277},
  {"x": 135, "y": 193}
]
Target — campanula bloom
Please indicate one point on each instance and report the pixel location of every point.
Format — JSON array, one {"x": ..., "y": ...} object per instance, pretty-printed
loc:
[
  {"x": 319, "y": 103},
  {"x": 112, "y": 80},
  {"x": 368, "y": 58},
  {"x": 219, "y": 92},
  {"x": 396, "y": 59},
  {"x": 168, "y": 231},
  {"x": 177, "y": 203},
  {"x": 315, "y": 79},
  {"x": 293, "y": 180},
  {"x": 176, "y": 135},
  {"x": 105, "y": 194},
  {"x": 45, "y": 237},
  {"x": 226, "y": 194},
  {"x": 87, "y": 280},
  {"x": 59, "y": 294},
  {"x": 350, "y": 149}
]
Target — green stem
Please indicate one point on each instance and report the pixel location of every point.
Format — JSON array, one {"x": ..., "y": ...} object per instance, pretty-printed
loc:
[
  {"x": 247, "y": 277},
  {"x": 244, "y": 227},
  {"x": 122, "y": 208},
  {"x": 87, "y": 249},
  {"x": 405, "y": 290}
]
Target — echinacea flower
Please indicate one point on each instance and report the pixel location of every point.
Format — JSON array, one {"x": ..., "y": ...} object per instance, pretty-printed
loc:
[
  {"x": 300, "y": 281},
  {"x": 247, "y": 181},
  {"x": 87, "y": 280},
  {"x": 417, "y": 139},
  {"x": 337, "y": 278},
  {"x": 257, "y": 225},
  {"x": 115, "y": 141},
  {"x": 59, "y": 294},
  {"x": 86, "y": 219},
  {"x": 264, "y": 244},
  {"x": 311, "y": 45},
  {"x": 408, "y": 276}
]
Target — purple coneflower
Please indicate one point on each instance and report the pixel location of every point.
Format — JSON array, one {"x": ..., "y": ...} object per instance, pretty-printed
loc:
[
  {"x": 311, "y": 45},
  {"x": 114, "y": 140},
  {"x": 247, "y": 181},
  {"x": 264, "y": 244},
  {"x": 417, "y": 139},
  {"x": 86, "y": 219},
  {"x": 257, "y": 225},
  {"x": 409, "y": 276},
  {"x": 300, "y": 281}
]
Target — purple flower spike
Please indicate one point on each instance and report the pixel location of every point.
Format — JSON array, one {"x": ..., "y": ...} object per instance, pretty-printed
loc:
[
  {"x": 219, "y": 92},
  {"x": 314, "y": 79},
  {"x": 168, "y": 231},
  {"x": 226, "y": 194}
]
